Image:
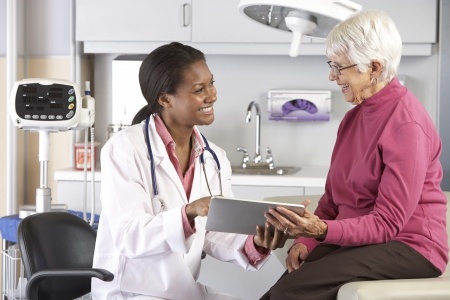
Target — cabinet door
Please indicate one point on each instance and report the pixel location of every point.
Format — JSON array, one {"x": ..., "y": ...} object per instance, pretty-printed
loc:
[
  {"x": 221, "y": 21},
  {"x": 135, "y": 20},
  {"x": 416, "y": 20},
  {"x": 218, "y": 21}
]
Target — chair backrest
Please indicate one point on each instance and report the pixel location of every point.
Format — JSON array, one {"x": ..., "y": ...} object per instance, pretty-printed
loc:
[{"x": 57, "y": 240}]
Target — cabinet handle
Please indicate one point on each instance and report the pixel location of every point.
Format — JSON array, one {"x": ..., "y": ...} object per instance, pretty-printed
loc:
[{"x": 186, "y": 15}]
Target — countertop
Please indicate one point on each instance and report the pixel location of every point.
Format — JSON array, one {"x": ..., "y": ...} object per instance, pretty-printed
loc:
[{"x": 311, "y": 176}]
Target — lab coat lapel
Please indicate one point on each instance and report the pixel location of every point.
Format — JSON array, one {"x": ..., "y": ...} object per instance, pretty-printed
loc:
[
  {"x": 163, "y": 165},
  {"x": 199, "y": 189}
]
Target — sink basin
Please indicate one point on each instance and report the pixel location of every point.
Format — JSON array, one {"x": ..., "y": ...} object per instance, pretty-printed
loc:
[{"x": 264, "y": 171}]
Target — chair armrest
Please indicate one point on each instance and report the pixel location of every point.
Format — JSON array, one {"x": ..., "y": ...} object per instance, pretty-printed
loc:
[
  {"x": 38, "y": 277},
  {"x": 398, "y": 289}
]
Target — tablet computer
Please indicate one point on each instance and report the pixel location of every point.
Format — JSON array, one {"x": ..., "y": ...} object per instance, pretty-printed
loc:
[{"x": 241, "y": 215}]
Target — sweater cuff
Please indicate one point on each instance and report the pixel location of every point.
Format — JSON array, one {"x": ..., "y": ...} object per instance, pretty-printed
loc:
[
  {"x": 334, "y": 232},
  {"x": 310, "y": 243}
]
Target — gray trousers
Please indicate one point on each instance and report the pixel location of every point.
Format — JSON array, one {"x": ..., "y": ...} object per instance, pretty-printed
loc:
[{"x": 328, "y": 267}]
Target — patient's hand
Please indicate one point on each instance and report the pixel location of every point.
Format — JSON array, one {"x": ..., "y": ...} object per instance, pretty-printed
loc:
[{"x": 296, "y": 256}]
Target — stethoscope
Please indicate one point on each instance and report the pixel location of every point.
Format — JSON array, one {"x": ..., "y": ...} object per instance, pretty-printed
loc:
[{"x": 202, "y": 161}]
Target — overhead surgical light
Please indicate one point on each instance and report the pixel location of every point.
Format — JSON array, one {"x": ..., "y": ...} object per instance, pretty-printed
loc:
[{"x": 314, "y": 18}]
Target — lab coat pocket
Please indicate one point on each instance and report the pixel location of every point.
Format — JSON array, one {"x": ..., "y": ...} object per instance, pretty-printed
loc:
[{"x": 165, "y": 276}]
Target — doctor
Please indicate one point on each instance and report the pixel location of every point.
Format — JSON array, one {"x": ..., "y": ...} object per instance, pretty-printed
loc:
[{"x": 156, "y": 190}]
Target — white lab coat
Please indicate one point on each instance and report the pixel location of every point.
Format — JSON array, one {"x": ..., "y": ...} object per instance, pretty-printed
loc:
[{"x": 145, "y": 250}]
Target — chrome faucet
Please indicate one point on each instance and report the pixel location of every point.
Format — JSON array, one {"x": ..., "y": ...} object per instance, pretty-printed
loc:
[
  {"x": 245, "y": 158},
  {"x": 269, "y": 158},
  {"x": 257, "y": 160},
  {"x": 252, "y": 104}
]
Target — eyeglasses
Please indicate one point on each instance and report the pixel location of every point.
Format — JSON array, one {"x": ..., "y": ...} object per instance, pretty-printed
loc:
[{"x": 337, "y": 70}]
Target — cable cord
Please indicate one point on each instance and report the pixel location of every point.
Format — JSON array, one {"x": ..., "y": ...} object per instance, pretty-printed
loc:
[
  {"x": 93, "y": 158},
  {"x": 85, "y": 174}
]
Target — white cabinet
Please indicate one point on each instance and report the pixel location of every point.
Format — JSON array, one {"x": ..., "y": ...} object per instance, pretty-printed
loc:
[
  {"x": 132, "y": 21},
  {"x": 416, "y": 20},
  {"x": 310, "y": 180},
  {"x": 217, "y": 26},
  {"x": 218, "y": 21},
  {"x": 152, "y": 20},
  {"x": 72, "y": 189}
]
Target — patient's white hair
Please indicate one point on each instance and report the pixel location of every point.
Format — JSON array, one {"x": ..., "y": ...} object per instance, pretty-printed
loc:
[{"x": 365, "y": 37}]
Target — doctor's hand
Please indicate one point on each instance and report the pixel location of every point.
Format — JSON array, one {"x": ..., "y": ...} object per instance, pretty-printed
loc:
[
  {"x": 199, "y": 207},
  {"x": 269, "y": 237},
  {"x": 296, "y": 256}
]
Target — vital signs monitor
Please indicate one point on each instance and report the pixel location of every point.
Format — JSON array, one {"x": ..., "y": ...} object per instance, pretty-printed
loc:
[
  {"x": 44, "y": 106},
  {"x": 51, "y": 104}
]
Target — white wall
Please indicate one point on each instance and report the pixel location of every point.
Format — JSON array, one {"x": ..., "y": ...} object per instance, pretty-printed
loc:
[
  {"x": 241, "y": 79},
  {"x": 47, "y": 24}
]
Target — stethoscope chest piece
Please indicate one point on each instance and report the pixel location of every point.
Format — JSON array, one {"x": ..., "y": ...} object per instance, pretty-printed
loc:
[{"x": 158, "y": 205}]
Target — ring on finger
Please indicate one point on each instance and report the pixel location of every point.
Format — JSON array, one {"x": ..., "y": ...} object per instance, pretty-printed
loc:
[{"x": 285, "y": 230}]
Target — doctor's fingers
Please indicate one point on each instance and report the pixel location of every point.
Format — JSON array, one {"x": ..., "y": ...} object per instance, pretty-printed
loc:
[
  {"x": 199, "y": 207},
  {"x": 261, "y": 238},
  {"x": 274, "y": 238},
  {"x": 269, "y": 237},
  {"x": 279, "y": 239}
]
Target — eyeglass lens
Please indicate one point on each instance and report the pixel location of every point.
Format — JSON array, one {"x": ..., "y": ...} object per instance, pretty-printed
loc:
[{"x": 337, "y": 70}]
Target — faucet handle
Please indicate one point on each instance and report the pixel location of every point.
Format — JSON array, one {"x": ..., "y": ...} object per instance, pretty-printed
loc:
[
  {"x": 245, "y": 158},
  {"x": 269, "y": 158}
]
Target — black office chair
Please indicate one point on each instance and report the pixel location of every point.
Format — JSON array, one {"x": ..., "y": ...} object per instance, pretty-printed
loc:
[{"x": 57, "y": 251}]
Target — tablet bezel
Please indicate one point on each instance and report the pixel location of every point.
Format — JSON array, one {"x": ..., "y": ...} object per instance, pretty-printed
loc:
[{"x": 236, "y": 215}]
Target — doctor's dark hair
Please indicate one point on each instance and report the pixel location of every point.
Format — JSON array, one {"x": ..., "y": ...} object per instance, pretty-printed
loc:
[{"x": 162, "y": 72}]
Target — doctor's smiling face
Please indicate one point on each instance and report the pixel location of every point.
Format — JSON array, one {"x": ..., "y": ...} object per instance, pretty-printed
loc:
[
  {"x": 177, "y": 84},
  {"x": 192, "y": 103}
]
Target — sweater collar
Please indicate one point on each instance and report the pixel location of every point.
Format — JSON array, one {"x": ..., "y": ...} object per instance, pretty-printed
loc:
[{"x": 386, "y": 97}]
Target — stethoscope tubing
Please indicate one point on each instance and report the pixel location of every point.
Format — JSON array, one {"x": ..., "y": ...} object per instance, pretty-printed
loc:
[
  {"x": 202, "y": 161},
  {"x": 152, "y": 161}
]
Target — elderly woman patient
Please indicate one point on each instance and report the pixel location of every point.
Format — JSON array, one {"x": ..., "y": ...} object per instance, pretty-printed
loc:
[{"x": 383, "y": 214}]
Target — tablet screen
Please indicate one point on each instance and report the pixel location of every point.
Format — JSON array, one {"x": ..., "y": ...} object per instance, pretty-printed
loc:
[{"x": 241, "y": 215}]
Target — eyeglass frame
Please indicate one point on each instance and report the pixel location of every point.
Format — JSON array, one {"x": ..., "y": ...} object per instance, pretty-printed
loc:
[{"x": 339, "y": 69}]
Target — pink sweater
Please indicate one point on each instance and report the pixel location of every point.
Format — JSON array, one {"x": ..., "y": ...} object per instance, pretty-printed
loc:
[{"x": 384, "y": 178}]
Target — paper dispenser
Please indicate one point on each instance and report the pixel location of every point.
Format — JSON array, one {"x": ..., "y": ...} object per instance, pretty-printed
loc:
[{"x": 296, "y": 105}]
